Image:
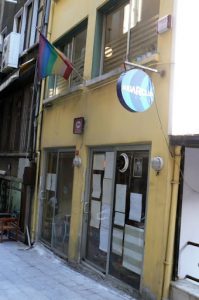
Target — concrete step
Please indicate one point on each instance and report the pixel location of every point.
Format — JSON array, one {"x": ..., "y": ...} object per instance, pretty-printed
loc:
[{"x": 184, "y": 290}]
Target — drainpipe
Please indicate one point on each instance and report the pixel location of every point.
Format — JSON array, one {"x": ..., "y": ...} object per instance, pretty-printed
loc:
[
  {"x": 35, "y": 218},
  {"x": 168, "y": 263}
]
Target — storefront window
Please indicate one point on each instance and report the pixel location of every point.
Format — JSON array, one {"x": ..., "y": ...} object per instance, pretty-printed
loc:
[
  {"x": 57, "y": 201},
  {"x": 117, "y": 210}
]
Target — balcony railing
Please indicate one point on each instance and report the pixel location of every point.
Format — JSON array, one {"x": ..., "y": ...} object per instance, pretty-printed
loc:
[
  {"x": 188, "y": 276},
  {"x": 143, "y": 39},
  {"x": 114, "y": 53},
  {"x": 143, "y": 43},
  {"x": 60, "y": 86}
]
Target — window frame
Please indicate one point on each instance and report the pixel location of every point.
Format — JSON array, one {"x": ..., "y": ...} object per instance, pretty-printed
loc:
[
  {"x": 68, "y": 40},
  {"x": 19, "y": 14},
  {"x": 33, "y": 22},
  {"x": 32, "y": 34}
]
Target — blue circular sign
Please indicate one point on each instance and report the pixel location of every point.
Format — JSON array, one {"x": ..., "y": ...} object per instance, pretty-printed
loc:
[{"x": 135, "y": 90}]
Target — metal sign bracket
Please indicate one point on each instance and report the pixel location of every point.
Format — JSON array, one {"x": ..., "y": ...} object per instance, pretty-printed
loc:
[{"x": 133, "y": 65}]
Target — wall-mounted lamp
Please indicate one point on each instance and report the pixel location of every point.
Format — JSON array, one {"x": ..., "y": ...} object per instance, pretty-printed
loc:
[
  {"x": 77, "y": 159},
  {"x": 157, "y": 164}
]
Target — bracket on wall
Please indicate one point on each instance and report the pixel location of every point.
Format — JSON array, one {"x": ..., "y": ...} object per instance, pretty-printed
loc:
[{"x": 133, "y": 65}]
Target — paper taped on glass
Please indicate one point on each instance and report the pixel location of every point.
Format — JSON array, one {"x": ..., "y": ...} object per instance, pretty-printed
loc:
[
  {"x": 104, "y": 228},
  {"x": 119, "y": 219},
  {"x": 105, "y": 215},
  {"x": 98, "y": 162},
  {"x": 133, "y": 248},
  {"x": 120, "y": 202},
  {"x": 95, "y": 213},
  {"x": 107, "y": 189},
  {"x": 117, "y": 242},
  {"x": 109, "y": 164},
  {"x": 96, "y": 193},
  {"x": 51, "y": 182},
  {"x": 135, "y": 212},
  {"x": 104, "y": 234}
]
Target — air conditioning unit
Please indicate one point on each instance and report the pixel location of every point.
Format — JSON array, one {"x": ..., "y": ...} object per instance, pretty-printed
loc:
[{"x": 10, "y": 53}]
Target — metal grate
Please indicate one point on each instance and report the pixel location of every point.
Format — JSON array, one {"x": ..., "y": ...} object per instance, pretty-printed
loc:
[{"x": 143, "y": 39}]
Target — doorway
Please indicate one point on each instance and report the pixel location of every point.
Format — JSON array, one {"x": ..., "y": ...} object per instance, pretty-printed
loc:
[
  {"x": 115, "y": 219},
  {"x": 57, "y": 200}
]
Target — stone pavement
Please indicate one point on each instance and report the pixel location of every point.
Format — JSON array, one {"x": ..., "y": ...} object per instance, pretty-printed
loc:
[{"x": 37, "y": 274}]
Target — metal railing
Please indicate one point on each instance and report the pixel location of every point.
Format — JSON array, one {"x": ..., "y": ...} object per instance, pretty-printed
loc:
[
  {"x": 189, "y": 243},
  {"x": 143, "y": 39},
  {"x": 143, "y": 42},
  {"x": 61, "y": 85},
  {"x": 114, "y": 53}
]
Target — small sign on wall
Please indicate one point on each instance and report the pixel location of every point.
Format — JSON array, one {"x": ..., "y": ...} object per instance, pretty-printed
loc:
[{"x": 78, "y": 125}]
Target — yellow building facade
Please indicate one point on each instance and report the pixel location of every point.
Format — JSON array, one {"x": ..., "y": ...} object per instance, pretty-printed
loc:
[{"x": 100, "y": 210}]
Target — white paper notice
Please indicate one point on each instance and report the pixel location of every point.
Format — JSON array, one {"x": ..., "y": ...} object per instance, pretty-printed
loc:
[
  {"x": 105, "y": 215},
  {"x": 104, "y": 228},
  {"x": 51, "y": 182},
  {"x": 119, "y": 219},
  {"x": 117, "y": 242},
  {"x": 103, "y": 245},
  {"x": 95, "y": 213},
  {"x": 109, "y": 162},
  {"x": 135, "y": 212},
  {"x": 107, "y": 189},
  {"x": 48, "y": 181},
  {"x": 98, "y": 162},
  {"x": 96, "y": 193},
  {"x": 120, "y": 203}
]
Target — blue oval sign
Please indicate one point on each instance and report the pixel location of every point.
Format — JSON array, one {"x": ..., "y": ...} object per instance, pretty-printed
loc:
[{"x": 135, "y": 90}]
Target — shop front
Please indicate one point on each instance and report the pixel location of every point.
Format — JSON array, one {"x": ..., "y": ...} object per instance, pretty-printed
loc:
[
  {"x": 57, "y": 200},
  {"x": 115, "y": 211}
]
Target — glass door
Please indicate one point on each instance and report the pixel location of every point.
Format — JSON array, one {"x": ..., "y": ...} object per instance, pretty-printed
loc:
[
  {"x": 116, "y": 215},
  {"x": 100, "y": 207},
  {"x": 62, "y": 206},
  {"x": 58, "y": 201},
  {"x": 127, "y": 237},
  {"x": 50, "y": 197}
]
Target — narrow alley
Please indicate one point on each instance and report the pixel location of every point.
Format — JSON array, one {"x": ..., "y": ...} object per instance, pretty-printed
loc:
[{"x": 38, "y": 274}]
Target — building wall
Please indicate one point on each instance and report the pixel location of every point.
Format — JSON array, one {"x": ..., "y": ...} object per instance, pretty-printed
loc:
[
  {"x": 184, "y": 75},
  {"x": 108, "y": 123},
  {"x": 188, "y": 255}
]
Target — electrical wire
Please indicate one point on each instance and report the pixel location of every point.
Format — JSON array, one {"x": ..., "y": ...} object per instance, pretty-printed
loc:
[{"x": 171, "y": 154}]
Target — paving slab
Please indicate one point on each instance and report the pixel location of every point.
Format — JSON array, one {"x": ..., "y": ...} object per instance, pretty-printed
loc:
[{"x": 37, "y": 274}]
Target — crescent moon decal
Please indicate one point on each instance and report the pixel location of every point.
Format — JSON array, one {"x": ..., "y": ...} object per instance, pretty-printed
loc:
[{"x": 126, "y": 162}]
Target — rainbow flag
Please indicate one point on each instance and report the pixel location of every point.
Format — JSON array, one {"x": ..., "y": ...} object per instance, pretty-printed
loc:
[{"x": 52, "y": 61}]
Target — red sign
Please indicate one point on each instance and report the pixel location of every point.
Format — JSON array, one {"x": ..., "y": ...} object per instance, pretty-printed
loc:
[{"x": 78, "y": 125}]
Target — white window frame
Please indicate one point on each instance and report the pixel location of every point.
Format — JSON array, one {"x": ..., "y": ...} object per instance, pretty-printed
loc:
[
  {"x": 19, "y": 14},
  {"x": 34, "y": 22},
  {"x": 4, "y": 31}
]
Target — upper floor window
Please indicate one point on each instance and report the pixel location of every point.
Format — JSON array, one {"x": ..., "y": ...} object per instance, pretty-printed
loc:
[
  {"x": 73, "y": 45},
  {"x": 39, "y": 18},
  {"x": 18, "y": 21},
  {"x": 128, "y": 32},
  {"x": 28, "y": 26},
  {"x": 18, "y": 25},
  {"x": 26, "y": 20}
]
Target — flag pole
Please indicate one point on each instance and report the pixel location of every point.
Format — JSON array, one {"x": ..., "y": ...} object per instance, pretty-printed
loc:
[
  {"x": 78, "y": 74},
  {"x": 74, "y": 69}
]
